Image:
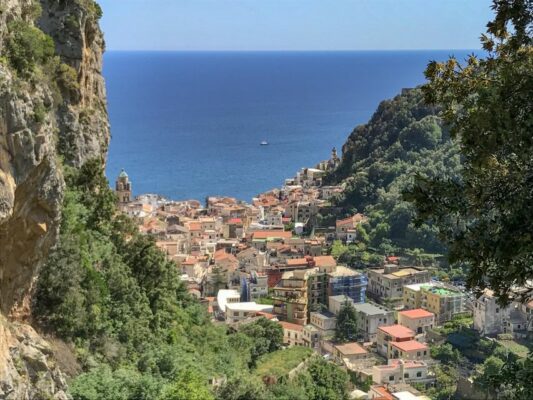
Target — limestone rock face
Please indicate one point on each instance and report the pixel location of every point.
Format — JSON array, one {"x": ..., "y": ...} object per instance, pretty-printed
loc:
[
  {"x": 27, "y": 366},
  {"x": 82, "y": 118},
  {"x": 42, "y": 127}
]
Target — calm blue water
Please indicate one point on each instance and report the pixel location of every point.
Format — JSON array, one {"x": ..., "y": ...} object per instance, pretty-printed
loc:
[{"x": 187, "y": 125}]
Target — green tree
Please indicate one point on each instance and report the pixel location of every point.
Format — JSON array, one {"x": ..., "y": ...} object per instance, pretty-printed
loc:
[
  {"x": 422, "y": 134},
  {"x": 266, "y": 336},
  {"x": 445, "y": 383},
  {"x": 325, "y": 381},
  {"x": 123, "y": 384},
  {"x": 346, "y": 329},
  {"x": 490, "y": 374},
  {"x": 446, "y": 353},
  {"x": 219, "y": 281},
  {"x": 338, "y": 249},
  {"x": 486, "y": 216},
  {"x": 188, "y": 386}
]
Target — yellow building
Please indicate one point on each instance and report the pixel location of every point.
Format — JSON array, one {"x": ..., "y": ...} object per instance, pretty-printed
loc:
[
  {"x": 442, "y": 301},
  {"x": 290, "y": 296}
]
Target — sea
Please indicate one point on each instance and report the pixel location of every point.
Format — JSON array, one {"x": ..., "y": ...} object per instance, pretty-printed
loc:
[{"x": 188, "y": 125}]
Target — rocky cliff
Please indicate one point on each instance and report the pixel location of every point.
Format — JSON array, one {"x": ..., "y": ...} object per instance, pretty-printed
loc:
[{"x": 52, "y": 114}]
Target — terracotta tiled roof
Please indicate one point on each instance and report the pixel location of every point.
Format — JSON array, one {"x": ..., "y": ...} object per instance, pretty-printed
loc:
[
  {"x": 351, "y": 348},
  {"x": 324, "y": 261},
  {"x": 290, "y": 326},
  {"x": 297, "y": 261},
  {"x": 272, "y": 234},
  {"x": 195, "y": 226},
  {"x": 397, "y": 331},
  {"x": 418, "y": 313},
  {"x": 410, "y": 345}
]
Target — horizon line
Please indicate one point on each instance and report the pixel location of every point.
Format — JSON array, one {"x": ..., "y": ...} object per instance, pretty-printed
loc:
[{"x": 283, "y": 51}]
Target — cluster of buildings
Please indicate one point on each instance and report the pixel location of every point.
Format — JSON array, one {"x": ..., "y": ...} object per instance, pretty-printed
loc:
[{"x": 248, "y": 261}]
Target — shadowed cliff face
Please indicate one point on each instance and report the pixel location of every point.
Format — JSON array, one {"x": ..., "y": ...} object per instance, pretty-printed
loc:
[
  {"x": 73, "y": 127},
  {"x": 43, "y": 124}
]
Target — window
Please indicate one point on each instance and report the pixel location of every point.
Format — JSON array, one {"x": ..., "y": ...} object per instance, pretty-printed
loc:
[
  {"x": 406, "y": 375},
  {"x": 425, "y": 352},
  {"x": 419, "y": 374},
  {"x": 391, "y": 378},
  {"x": 418, "y": 354}
]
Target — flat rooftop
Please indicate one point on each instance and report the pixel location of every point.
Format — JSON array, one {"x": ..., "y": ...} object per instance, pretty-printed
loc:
[
  {"x": 417, "y": 313},
  {"x": 370, "y": 309},
  {"x": 398, "y": 331},
  {"x": 343, "y": 271},
  {"x": 323, "y": 314},
  {"x": 416, "y": 286},
  {"x": 351, "y": 348},
  {"x": 441, "y": 291},
  {"x": 248, "y": 306},
  {"x": 410, "y": 345}
]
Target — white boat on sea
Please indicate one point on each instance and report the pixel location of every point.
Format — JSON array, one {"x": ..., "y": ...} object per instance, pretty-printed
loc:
[{"x": 264, "y": 143}]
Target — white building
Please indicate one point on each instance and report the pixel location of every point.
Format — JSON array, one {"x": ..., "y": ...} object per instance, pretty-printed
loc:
[
  {"x": 236, "y": 312},
  {"x": 226, "y": 296},
  {"x": 400, "y": 371},
  {"x": 370, "y": 317},
  {"x": 489, "y": 317}
]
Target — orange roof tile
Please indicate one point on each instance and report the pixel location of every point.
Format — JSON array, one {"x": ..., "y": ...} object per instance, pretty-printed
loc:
[
  {"x": 417, "y": 313},
  {"x": 410, "y": 345},
  {"x": 383, "y": 392},
  {"x": 291, "y": 326},
  {"x": 351, "y": 348},
  {"x": 297, "y": 261},
  {"x": 324, "y": 261},
  {"x": 195, "y": 226},
  {"x": 397, "y": 331},
  {"x": 221, "y": 254},
  {"x": 272, "y": 234}
]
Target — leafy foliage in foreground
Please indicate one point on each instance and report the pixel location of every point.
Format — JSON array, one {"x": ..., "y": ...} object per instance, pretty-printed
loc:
[
  {"x": 137, "y": 333},
  {"x": 486, "y": 214}
]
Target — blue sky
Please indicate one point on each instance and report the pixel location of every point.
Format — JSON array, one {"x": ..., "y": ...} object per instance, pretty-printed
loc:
[{"x": 294, "y": 24}]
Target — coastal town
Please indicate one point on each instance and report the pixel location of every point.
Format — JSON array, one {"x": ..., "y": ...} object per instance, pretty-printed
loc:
[{"x": 272, "y": 259}]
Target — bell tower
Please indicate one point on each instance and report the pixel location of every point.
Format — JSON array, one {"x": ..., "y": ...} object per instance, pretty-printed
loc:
[
  {"x": 334, "y": 161},
  {"x": 123, "y": 188}
]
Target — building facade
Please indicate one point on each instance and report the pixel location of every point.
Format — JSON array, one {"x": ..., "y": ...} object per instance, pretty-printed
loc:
[
  {"x": 370, "y": 317},
  {"x": 418, "y": 320},
  {"x": 386, "y": 284}
]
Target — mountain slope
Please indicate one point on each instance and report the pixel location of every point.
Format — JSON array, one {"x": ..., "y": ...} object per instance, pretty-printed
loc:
[{"x": 380, "y": 159}]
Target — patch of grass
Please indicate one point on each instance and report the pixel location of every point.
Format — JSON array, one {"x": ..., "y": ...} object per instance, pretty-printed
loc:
[
  {"x": 281, "y": 362},
  {"x": 513, "y": 346},
  {"x": 265, "y": 300}
]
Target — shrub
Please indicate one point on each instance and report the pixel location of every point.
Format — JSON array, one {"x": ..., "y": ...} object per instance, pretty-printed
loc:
[
  {"x": 67, "y": 77},
  {"x": 28, "y": 47},
  {"x": 39, "y": 113}
]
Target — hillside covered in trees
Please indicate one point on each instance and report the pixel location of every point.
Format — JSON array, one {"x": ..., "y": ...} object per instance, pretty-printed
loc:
[
  {"x": 134, "y": 331},
  {"x": 404, "y": 138}
]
